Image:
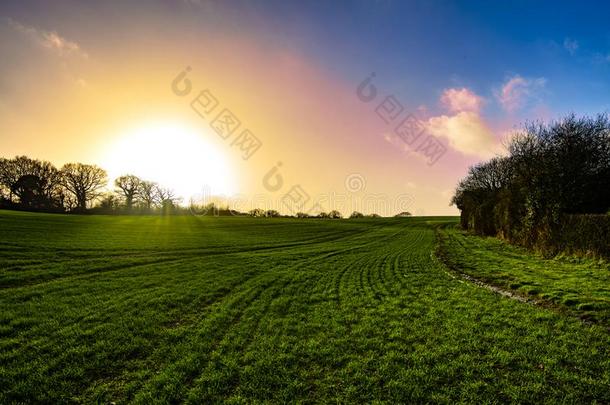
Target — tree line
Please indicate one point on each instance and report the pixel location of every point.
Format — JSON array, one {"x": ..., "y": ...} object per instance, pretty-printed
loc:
[
  {"x": 37, "y": 185},
  {"x": 551, "y": 192}
]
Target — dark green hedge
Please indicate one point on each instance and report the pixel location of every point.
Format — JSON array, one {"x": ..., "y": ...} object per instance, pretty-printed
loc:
[{"x": 584, "y": 235}]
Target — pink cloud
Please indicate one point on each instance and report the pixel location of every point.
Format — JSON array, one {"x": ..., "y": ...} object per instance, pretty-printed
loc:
[
  {"x": 464, "y": 129},
  {"x": 458, "y": 100},
  {"x": 517, "y": 90}
]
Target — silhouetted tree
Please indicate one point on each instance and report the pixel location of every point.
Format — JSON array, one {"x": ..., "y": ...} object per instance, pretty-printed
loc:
[
  {"x": 256, "y": 212},
  {"x": 35, "y": 183},
  {"x": 109, "y": 203},
  {"x": 403, "y": 214},
  {"x": 334, "y": 214},
  {"x": 356, "y": 214},
  {"x": 129, "y": 186},
  {"x": 167, "y": 200},
  {"x": 29, "y": 191},
  {"x": 147, "y": 191},
  {"x": 84, "y": 182},
  {"x": 4, "y": 183}
]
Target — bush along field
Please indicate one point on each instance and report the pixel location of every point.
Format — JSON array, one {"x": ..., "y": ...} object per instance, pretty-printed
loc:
[
  {"x": 245, "y": 310},
  {"x": 551, "y": 193}
]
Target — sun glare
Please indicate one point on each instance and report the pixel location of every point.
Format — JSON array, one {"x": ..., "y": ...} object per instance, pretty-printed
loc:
[{"x": 174, "y": 156}]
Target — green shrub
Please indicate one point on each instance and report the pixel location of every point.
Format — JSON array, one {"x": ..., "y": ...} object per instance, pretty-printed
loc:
[{"x": 585, "y": 235}]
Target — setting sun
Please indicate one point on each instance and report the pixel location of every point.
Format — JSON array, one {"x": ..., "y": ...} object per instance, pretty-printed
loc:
[{"x": 171, "y": 154}]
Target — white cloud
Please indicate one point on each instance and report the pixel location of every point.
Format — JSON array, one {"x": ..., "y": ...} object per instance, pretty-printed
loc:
[
  {"x": 571, "y": 45},
  {"x": 517, "y": 90},
  {"x": 464, "y": 129},
  {"x": 466, "y": 132},
  {"x": 49, "y": 39},
  {"x": 53, "y": 41},
  {"x": 457, "y": 100}
]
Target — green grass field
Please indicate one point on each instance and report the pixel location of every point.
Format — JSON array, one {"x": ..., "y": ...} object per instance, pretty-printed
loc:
[
  {"x": 577, "y": 286},
  {"x": 198, "y": 310}
]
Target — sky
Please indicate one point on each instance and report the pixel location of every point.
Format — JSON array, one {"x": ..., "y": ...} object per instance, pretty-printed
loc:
[{"x": 376, "y": 106}]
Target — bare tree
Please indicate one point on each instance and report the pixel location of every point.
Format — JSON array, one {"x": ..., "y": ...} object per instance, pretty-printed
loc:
[
  {"x": 147, "y": 192},
  {"x": 4, "y": 170},
  {"x": 28, "y": 178},
  {"x": 84, "y": 182},
  {"x": 66, "y": 199},
  {"x": 163, "y": 194},
  {"x": 167, "y": 199},
  {"x": 109, "y": 203},
  {"x": 11, "y": 170},
  {"x": 129, "y": 187}
]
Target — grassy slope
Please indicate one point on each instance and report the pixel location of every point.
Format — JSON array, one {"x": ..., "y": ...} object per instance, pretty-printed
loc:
[
  {"x": 161, "y": 309},
  {"x": 577, "y": 286}
]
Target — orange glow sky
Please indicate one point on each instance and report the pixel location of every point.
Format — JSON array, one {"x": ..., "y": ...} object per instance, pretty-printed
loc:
[{"x": 92, "y": 83}]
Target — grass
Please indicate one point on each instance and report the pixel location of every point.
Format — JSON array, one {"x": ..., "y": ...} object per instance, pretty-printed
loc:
[
  {"x": 244, "y": 310},
  {"x": 578, "y": 286}
]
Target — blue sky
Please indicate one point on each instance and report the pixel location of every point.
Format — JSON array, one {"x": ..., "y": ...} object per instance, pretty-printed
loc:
[
  {"x": 80, "y": 73},
  {"x": 421, "y": 47}
]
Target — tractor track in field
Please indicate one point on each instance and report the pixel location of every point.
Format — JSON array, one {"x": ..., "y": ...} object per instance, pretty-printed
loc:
[
  {"x": 276, "y": 286},
  {"x": 252, "y": 325},
  {"x": 166, "y": 256},
  {"x": 85, "y": 275},
  {"x": 245, "y": 304},
  {"x": 241, "y": 306},
  {"x": 370, "y": 277},
  {"x": 76, "y": 253},
  {"x": 241, "y": 300},
  {"x": 456, "y": 273},
  {"x": 207, "y": 335},
  {"x": 277, "y": 290}
]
